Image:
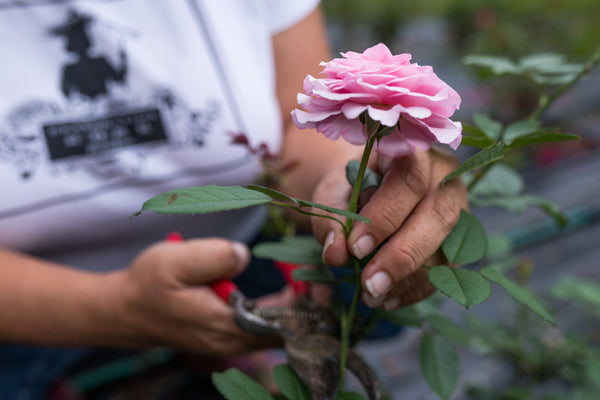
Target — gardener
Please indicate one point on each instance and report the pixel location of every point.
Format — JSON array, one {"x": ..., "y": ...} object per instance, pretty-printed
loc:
[{"x": 175, "y": 79}]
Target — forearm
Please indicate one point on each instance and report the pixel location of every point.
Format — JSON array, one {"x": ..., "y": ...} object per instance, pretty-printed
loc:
[
  {"x": 298, "y": 52},
  {"x": 49, "y": 304},
  {"x": 315, "y": 156}
]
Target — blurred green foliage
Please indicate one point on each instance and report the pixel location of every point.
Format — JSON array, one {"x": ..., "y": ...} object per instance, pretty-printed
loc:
[{"x": 505, "y": 27}]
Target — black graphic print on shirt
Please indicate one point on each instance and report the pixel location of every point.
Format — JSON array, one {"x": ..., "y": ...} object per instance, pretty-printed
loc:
[
  {"x": 87, "y": 75},
  {"x": 101, "y": 119}
]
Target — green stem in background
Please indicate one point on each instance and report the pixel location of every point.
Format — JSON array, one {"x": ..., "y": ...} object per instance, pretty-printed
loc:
[
  {"x": 347, "y": 321},
  {"x": 347, "y": 318},
  {"x": 546, "y": 102},
  {"x": 478, "y": 177}
]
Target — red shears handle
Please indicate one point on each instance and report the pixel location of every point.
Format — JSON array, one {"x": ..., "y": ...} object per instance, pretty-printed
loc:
[{"x": 224, "y": 287}]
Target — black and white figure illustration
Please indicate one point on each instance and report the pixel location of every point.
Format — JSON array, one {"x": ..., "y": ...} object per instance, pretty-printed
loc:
[
  {"x": 102, "y": 125},
  {"x": 88, "y": 75}
]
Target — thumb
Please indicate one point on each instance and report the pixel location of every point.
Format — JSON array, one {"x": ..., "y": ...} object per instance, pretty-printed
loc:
[
  {"x": 200, "y": 261},
  {"x": 334, "y": 190}
]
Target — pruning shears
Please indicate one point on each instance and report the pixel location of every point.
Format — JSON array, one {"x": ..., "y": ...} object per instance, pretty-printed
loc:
[{"x": 305, "y": 327}]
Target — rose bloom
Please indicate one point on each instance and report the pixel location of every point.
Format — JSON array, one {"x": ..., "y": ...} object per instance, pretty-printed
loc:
[{"x": 392, "y": 90}]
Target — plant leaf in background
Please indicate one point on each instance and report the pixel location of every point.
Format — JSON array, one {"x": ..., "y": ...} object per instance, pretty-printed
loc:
[
  {"x": 349, "y": 396},
  {"x": 592, "y": 369},
  {"x": 584, "y": 294},
  {"x": 520, "y": 128},
  {"x": 403, "y": 316},
  {"x": 521, "y": 295},
  {"x": 473, "y": 141},
  {"x": 499, "y": 246},
  {"x": 439, "y": 365},
  {"x": 233, "y": 384},
  {"x": 489, "y": 127},
  {"x": 370, "y": 179},
  {"x": 289, "y": 384},
  {"x": 498, "y": 65},
  {"x": 542, "y": 68},
  {"x": 518, "y": 204},
  {"x": 204, "y": 199},
  {"x": 296, "y": 250},
  {"x": 448, "y": 328},
  {"x": 541, "y": 136},
  {"x": 466, "y": 287},
  {"x": 467, "y": 241},
  {"x": 499, "y": 179},
  {"x": 486, "y": 156},
  {"x": 313, "y": 275}
]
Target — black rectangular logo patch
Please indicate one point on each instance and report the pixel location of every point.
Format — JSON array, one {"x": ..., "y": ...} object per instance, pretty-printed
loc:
[{"x": 94, "y": 136}]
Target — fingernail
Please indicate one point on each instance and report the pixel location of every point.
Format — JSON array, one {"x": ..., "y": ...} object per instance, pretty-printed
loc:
[
  {"x": 378, "y": 284},
  {"x": 328, "y": 242},
  {"x": 391, "y": 304},
  {"x": 363, "y": 246},
  {"x": 242, "y": 254},
  {"x": 384, "y": 163},
  {"x": 370, "y": 301}
]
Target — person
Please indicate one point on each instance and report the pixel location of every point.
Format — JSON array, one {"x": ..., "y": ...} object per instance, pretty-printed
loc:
[{"x": 107, "y": 103}]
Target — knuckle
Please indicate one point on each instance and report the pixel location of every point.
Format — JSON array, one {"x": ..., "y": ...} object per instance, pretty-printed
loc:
[
  {"x": 408, "y": 258},
  {"x": 447, "y": 212},
  {"x": 385, "y": 221},
  {"x": 416, "y": 177}
]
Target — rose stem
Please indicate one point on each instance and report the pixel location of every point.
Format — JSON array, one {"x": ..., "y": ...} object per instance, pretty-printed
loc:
[{"x": 347, "y": 319}]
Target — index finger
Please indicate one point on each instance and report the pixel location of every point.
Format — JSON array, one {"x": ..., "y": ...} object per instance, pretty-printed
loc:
[{"x": 404, "y": 185}]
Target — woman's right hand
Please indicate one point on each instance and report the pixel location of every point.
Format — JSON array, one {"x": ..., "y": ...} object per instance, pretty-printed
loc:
[{"x": 165, "y": 298}]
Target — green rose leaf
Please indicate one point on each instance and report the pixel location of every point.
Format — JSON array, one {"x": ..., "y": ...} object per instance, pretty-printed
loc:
[
  {"x": 466, "y": 287},
  {"x": 448, "y": 328},
  {"x": 499, "y": 179},
  {"x": 486, "y": 156},
  {"x": 289, "y": 384},
  {"x": 521, "y": 295},
  {"x": 499, "y": 246},
  {"x": 276, "y": 195},
  {"x": 439, "y": 364},
  {"x": 403, "y": 316},
  {"x": 488, "y": 126},
  {"x": 370, "y": 178},
  {"x": 349, "y": 396},
  {"x": 204, "y": 199},
  {"x": 235, "y": 385},
  {"x": 480, "y": 143},
  {"x": 467, "y": 241},
  {"x": 592, "y": 369},
  {"x": 544, "y": 136},
  {"x": 520, "y": 128},
  {"x": 518, "y": 204},
  {"x": 296, "y": 250},
  {"x": 498, "y": 65},
  {"x": 312, "y": 275},
  {"x": 343, "y": 213},
  {"x": 576, "y": 290},
  {"x": 550, "y": 65}
]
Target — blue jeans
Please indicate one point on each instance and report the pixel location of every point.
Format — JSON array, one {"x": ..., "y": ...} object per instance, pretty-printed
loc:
[{"x": 26, "y": 372}]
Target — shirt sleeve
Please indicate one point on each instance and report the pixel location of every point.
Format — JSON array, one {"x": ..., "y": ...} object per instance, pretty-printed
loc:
[{"x": 284, "y": 14}]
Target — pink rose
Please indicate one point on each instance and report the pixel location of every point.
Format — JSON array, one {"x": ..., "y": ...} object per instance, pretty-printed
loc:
[{"x": 392, "y": 90}]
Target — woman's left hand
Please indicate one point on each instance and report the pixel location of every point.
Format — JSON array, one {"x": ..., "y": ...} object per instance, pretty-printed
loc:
[{"x": 411, "y": 214}]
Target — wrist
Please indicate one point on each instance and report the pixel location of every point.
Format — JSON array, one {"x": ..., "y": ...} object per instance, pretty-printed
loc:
[{"x": 119, "y": 320}]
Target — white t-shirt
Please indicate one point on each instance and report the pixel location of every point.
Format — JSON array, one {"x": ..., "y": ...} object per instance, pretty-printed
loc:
[{"x": 105, "y": 103}]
